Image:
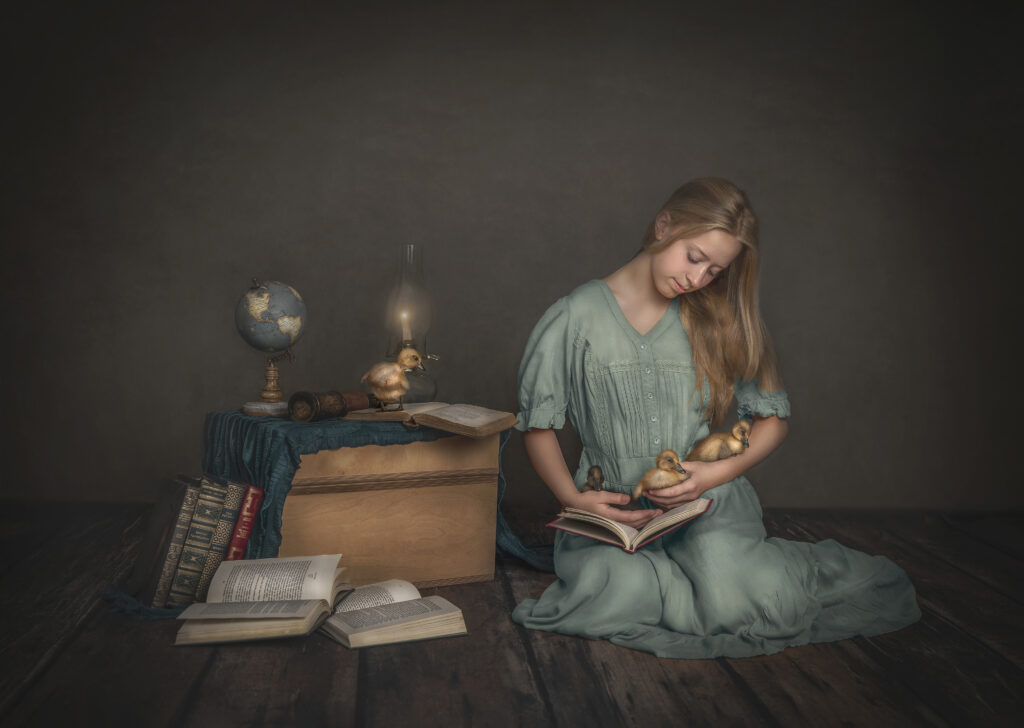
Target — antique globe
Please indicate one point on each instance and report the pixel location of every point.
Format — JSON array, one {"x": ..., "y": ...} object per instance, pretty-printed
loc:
[{"x": 270, "y": 317}]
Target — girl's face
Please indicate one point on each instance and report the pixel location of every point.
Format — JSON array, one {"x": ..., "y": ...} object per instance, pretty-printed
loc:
[{"x": 689, "y": 264}]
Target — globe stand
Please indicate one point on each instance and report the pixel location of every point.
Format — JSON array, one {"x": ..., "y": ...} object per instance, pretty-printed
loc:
[{"x": 272, "y": 404}]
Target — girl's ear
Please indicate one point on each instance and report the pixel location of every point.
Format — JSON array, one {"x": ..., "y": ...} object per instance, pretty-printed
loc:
[{"x": 661, "y": 225}]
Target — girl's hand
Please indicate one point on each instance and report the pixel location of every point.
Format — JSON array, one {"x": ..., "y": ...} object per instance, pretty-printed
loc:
[
  {"x": 604, "y": 503},
  {"x": 702, "y": 477}
]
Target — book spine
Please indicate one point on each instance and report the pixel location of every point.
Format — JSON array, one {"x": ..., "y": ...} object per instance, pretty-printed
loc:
[
  {"x": 197, "y": 543},
  {"x": 246, "y": 518},
  {"x": 181, "y": 525},
  {"x": 221, "y": 537}
]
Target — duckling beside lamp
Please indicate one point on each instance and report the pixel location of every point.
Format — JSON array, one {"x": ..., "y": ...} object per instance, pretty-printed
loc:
[
  {"x": 720, "y": 445},
  {"x": 668, "y": 472},
  {"x": 387, "y": 378}
]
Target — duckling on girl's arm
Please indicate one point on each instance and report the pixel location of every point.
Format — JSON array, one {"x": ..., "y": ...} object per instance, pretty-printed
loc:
[
  {"x": 387, "y": 378},
  {"x": 766, "y": 434},
  {"x": 666, "y": 473},
  {"x": 719, "y": 445}
]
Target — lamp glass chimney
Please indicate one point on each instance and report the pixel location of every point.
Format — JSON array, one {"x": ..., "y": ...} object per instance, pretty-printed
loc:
[{"x": 409, "y": 306}]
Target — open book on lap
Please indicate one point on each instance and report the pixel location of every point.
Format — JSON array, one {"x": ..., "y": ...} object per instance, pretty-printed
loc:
[{"x": 599, "y": 528}]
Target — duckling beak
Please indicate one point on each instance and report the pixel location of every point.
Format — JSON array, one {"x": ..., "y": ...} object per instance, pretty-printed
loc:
[
  {"x": 679, "y": 467},
  {"x": 746, "y": 442},
  {"x": 421, "y": 367}
]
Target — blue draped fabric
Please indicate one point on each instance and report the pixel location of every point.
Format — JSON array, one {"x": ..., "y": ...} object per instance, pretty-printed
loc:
[{"x": 265, "y": 451}]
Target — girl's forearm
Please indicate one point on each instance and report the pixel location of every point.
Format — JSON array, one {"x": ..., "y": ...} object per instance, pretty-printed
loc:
[
  {"x": 549, "y": 462},
  {"x": 765, "y": 436}
]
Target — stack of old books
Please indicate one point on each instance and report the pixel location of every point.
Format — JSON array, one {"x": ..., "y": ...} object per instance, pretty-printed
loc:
[
  {"x": 197, "y": 523},
  {"x": 192, "y": 559}
]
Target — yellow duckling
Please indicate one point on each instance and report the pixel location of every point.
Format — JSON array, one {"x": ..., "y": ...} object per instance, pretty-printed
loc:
[
  {"x": 387, "y": 378},
  {"x": 595, "y": 479},
  {"x": 667, "y": 473},
  {"x": 720, "y": 445}
]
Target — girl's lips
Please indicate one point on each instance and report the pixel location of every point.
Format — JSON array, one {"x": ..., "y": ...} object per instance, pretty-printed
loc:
[{"x": 678, "y": 288}]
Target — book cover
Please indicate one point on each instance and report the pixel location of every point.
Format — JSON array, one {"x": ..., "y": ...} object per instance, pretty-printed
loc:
[
  {"x": 221, "y": 536},
  {"x": 243, "y": 528},
  {"x": 197, "y": 543},
  {"x": 177, "y": 541},
  {"x": 152, "y": 551}
]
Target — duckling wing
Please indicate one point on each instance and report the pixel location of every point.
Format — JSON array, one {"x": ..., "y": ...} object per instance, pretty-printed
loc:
[
  {"x": 385, "y": 374},
  {"x": 709, "y": 449},
  {"x": 656, "y": 479}
]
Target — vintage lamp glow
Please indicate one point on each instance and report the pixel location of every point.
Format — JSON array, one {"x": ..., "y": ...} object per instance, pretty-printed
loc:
[{"x": 407, "y": 318}]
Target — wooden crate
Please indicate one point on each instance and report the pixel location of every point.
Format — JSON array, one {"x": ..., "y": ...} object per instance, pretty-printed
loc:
[{"x": 424, "y": 512}]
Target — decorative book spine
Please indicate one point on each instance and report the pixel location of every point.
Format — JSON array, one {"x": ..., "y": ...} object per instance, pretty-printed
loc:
[
  {"x": 197, "y": 543},
  {"x": 181, "y": 525},
  {"x": 221, "y": 537},
  {"x": 243, "y": 529}
]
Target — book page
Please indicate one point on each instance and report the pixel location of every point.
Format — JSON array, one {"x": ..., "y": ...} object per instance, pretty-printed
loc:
[
  {"x": 375, "y": 595},
  {"x": 679, "y": 513},
  {"x": 260, "y": 580},
  {"x": 389, "y": 614},
  {"x": 625, "y": 533},
  {"x": 407, "y": 412},
  {"x": 468, "y": 415},
  {"x": 251, "y": 610},
  {"x": 585, "y": 528}
]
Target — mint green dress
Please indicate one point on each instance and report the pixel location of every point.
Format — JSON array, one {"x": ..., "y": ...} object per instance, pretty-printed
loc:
[{"x": 718, "y": 586}]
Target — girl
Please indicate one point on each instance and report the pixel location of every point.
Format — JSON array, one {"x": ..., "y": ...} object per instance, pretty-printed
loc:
[{"x": 646, "y": 359}]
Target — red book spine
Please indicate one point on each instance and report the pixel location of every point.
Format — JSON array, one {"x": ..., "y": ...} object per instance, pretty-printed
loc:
[{"x": 243, "y": 528}]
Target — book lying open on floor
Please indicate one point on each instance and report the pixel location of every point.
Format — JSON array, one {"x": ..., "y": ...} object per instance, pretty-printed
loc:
[
  {"x": 591, "y": 525},
  {"x": 462, "y": 419},
  {"x": 264, "y": 598},
  {"x": 391, "y": 611}
]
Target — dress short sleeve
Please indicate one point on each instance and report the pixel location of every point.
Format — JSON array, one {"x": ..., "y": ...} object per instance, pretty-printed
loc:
[
  {"x": 751, "y": 401},
  {"x": 544, "y": 371}
]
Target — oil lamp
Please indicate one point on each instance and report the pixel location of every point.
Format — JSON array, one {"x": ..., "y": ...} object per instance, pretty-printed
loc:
[{"x": 407, "y": 320}]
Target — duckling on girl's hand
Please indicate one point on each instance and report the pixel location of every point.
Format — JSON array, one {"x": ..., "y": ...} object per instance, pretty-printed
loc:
[
  {"x": 667, "y": 473},
  {"x": 387, "y": 378},
  {"x": 595, "y": 479},
  {"x": 720, "y": 445}
]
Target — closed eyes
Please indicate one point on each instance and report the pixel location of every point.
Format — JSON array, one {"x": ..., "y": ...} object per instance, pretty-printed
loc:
[{"x": 694, "y": 261}]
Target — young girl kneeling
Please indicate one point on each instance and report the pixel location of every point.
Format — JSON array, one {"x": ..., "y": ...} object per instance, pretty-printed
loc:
[{"x": 644, "y": 360}]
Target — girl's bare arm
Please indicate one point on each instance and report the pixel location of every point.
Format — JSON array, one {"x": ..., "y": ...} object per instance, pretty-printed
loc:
[
  {"x": 549, "y": 462},
  {"x": 767, "y": 434}
]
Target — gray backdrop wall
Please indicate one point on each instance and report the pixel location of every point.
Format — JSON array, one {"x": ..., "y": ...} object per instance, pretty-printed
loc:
[{"x": 159, "y": 157}]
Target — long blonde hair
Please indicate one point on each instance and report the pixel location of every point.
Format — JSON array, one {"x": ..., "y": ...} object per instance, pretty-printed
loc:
[{"x": 727, "y": 335}]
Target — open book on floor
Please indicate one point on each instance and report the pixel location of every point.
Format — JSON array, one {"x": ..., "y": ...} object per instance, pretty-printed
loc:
[
  {"x": 462, "y": 419},
  {"x": 265, "y": 598},
  {"x": 591, "y": 525},
  {"x": 391, "y": 611}
]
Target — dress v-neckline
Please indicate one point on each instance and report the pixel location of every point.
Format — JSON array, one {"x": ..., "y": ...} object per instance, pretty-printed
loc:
[{"x": 620, "y": 316}]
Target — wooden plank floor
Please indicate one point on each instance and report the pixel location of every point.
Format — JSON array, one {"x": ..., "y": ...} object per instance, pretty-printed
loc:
[{"x": 67, "y": 658}]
